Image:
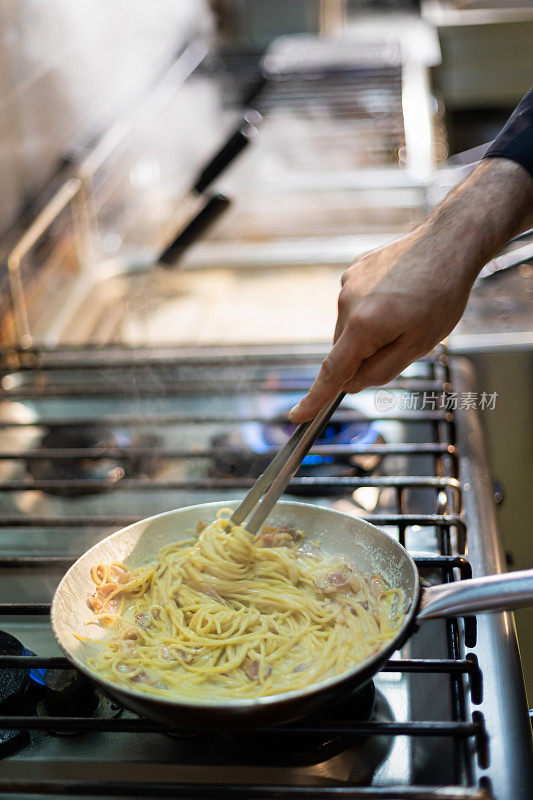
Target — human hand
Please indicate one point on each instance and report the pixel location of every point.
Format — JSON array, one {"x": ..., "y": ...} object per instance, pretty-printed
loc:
[{"x": 396, "y": 304}]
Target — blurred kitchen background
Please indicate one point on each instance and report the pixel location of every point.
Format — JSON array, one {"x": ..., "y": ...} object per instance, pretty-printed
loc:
[{"x": 108, "y": 107}]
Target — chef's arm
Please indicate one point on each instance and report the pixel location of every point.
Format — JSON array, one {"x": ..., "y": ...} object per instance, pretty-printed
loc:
[{"x": 398, "y": 302}]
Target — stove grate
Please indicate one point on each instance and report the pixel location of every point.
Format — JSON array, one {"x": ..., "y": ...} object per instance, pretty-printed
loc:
[
  {"x": 246, "y": 792},
  {"x": 92, "y": 372}
]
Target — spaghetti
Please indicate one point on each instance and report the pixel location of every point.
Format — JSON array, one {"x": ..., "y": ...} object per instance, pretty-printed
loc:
[{"x": 229, "y": 615}]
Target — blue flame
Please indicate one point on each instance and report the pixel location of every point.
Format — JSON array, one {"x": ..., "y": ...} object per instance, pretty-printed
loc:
[
  {"x": 314, "y": 459},
  {"x": 36, "y": 675}
]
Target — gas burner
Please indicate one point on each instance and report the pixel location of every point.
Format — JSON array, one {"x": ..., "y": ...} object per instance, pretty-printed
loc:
[
  {"x": 13, "y": 685},
  {"x": 255, "y": 440},
  {"x": 69, "y": 693},
  {"x": 104, "y": 468},
  {"x": 45, "y": 692},
  {"x": 302, "y": 749}
]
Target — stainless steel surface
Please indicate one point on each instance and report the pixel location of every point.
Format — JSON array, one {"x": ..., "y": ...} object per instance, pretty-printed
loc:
[
  {"x": 471, "y": 12},
  {"x": 64, "y": 197},
  {"x": 75, "y": 220},
  {"x": 274, "y": 480},
  {"x": 519, "y": 255},
  {"x": 339, "y": 534},
  {"x": 490, "y": 593},
  {"x": 498, "y": 314},
  {"x": 508, "y": 431},
  {"x": 302, "y": 54},
  {"x": 486, "y": 51},
  {"x": 497, "y": 343},
  {"x": 61, "y": 87},
  {"x": 368, "y": 149},
  {"x": 504, "y": 705},
  {"x": 124, "y": 128},
  {"x": 413, "y": 694}
]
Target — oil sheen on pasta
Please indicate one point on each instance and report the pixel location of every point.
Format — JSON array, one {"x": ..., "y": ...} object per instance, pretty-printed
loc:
[{"x": 229, "y": 615}]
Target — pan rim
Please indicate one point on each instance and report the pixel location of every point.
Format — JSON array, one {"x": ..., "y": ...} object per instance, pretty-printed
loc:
[{"x": 240, "y": 704}]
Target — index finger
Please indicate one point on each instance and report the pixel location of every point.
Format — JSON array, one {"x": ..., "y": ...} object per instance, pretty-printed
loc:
[{"x": 338, "y": 367}]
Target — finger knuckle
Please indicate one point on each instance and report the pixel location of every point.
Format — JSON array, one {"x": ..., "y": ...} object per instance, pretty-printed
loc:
[
  {"x": 352, "y": 387},
  {"x": 343, "y": 300},
  {"x": 361, "y": 323},
  {"x": 370, "y": 311},
  {"x": 345, "y": 276},
  {"x": 353, "y": 322},
  {"x": 329, "y": 370}
]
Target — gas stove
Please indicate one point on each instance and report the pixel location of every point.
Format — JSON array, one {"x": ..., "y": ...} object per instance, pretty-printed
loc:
[
  {"x": 428, "y": 725},
  {"x": 128, "y": 389}
]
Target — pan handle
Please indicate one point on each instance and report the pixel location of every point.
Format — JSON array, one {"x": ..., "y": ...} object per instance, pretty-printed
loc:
[{"x": 490, "y": 593}]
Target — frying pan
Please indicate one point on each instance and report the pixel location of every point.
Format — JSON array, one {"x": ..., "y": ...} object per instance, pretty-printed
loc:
[{"x": 370, "y": 548}]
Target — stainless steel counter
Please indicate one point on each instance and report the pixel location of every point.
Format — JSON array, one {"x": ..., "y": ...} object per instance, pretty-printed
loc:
[{"x": 509, "y": 761}]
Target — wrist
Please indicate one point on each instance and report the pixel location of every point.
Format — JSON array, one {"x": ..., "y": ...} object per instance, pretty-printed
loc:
[{"x": 478, "y": 217}]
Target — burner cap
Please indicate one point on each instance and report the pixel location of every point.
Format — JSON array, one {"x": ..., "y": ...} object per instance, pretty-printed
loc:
[
  {"x": 100, "y": 468},
  {"x": 12, "y": 681},
  {"x": 70, "y": 694},
  {"x": 12, "y": 685}
]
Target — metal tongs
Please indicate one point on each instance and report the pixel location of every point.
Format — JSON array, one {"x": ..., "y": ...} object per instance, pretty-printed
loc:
[{"x": 274, "y": 480}]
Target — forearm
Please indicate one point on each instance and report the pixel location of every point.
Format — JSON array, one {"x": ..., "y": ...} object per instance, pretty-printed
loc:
[
  {"x": 398, "y": 302},
  {"x": 478, "y": 217}
]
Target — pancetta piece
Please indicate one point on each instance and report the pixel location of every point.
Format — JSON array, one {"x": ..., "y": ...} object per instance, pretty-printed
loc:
[
  {"x": 377, "y": 587},
  {"x": 342, "y": 580},
  {"x": 252, "y": 668},
  {"x": 185, "y": 656},
  {"x": 119, "y": 575},
  {"x": 277, "y": 536},
  {"x": 99, "y": 602}
]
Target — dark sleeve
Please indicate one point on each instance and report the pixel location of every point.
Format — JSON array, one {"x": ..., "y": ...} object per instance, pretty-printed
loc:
[{"x": 515, "y": 141}]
